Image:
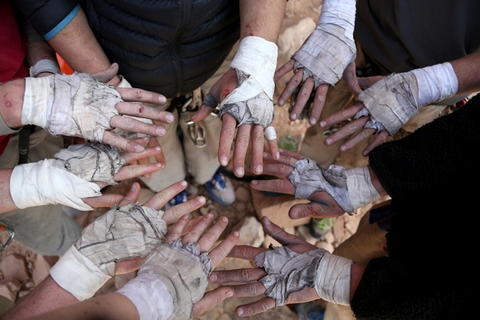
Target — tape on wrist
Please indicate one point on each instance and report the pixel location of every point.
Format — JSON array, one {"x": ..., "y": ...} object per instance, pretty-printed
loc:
[
  {"x": 435, "y": 83},
  {"x": 78, "y": 275},
  {"x": 44, "y": 65},
  {"x": 333, "y": 279},
  {"x": 360, "y": 187}
]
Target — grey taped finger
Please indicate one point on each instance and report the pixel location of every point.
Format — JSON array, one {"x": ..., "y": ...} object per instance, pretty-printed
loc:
[
  {"x": 288, "y": 271},
  {"x": 92, "y": 161},
  {"x": 308, "y": 177}
]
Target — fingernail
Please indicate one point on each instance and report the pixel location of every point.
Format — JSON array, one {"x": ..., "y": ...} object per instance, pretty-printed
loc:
[
  {"x": 265, "y": 154},
  {"x": 183, "y": 183},
  {"x": 313, "y": 121},
  {"x": 224, "y": 219},
  {"x": 160, "y": 131},
  {"x": 277, "y": 155},
  {"x": 259, "y": 169},
  {"x": 239, "y": 172},
  {"x": 185, "y": 217},
  {"x": 229, "y": 294},
  {"x": 134, "y": 187},
  {"x": 236, "y": 234},
  {"x": 328, "y": 141},
  {"x": 240, "y": 312},
  {"x": 224, "y": 161},
  {"x": 169, "y": 117},
  {"x": 159, "y": 165},
  {"x": 281, "y": 102},
  {"x": 323, "y": 123},
  {"x": 267, "y": 221},
  {"x": 202, "y": 199},
  {"x": 209, "y": 216},
  {"x": 194, "y": 116},
  {"x": 213, "y": 278},
  {"x": 139, "y": 148},
  {"x": 293, "y": 116},
  {"x": 158, "y": 148},
  {"x": 254, "y": 182}
]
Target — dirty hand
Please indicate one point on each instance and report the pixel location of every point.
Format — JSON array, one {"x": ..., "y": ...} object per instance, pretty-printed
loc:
[
  {"x": 172, "y": 280},
  {"x": 126, "y": 233},
  {"x": 82, "y": 105},
  {"x": 391, "y": 102},
  {"x": 245, "y": 98},
  {"x": 331, "y": 192},
  {"x": 322, "y": 59}
]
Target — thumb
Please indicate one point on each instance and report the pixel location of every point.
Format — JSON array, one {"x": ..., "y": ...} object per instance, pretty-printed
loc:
[
  {"x": 350, "y": 75},
  {"x": 107, "y": 74},
  {"x": 277, "y": 233}
]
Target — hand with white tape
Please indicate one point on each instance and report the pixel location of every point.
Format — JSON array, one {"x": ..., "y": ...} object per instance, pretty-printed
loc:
[
  {"x": 119, "y": 240},
  {"x": 172, "y": 281},
  {"x": 245, "y": 95},
  {"x": 294, "y": 273},
  {"x": 322, "y": 59},
  {"x": 331, "y": 192},
  {"x": 391, "y": 102},
  {"x": 82, "y": 105}
]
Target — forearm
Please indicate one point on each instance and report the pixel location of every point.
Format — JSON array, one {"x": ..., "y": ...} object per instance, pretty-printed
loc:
[
  {"x": 467, "y": 70},
  {"x": 46, "y": 297},
  {"x": 77, "y": 45},
  {"x": 261, "y": 18},
  {"x": 6, "y": 199},
  {"x": 11, "y": 101}
]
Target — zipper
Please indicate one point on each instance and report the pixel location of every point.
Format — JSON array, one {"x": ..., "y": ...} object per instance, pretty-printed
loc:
[{"x": 186, "y": 12}]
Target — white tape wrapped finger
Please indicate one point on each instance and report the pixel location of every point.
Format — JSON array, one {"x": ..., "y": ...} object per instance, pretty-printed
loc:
[{"x": 270, "y": 133}]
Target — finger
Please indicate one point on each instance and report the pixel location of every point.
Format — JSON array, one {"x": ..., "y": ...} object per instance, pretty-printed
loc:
[
  {"x": 291, "y": 154},
  {"x": 240, "y": 151},
  {"x": 237, "y": 276},
  {"x": 211, "y": 299},
  {"x": 140, "y": 157},
  {"x": 202, "y": 112},
  {"x": 221, "y": 251},
  {"x": 132, "y": 195},
  {"x": 274, "y": 149},
  {"x": 307, "y": 294},
  {"x": 177, "y": 230},
  {"x": 227, "y": 134},
  {"x": 350, "y": 75},
  {"x": 122, "y": 143},
  {"x": 245, "y": 252},
  {"x": 130, "y": 172},
  {"x": 208, "y": 239},
  {"x": 341, "y": 115},
  {"x": 358, "y": 138},
  {"x": 162, "y": 197},
  {"x": 258, "y": 144},
  {"x": 318, "y": 103},
  {"x": 292, "y": 84},
  {"x": 107, "y": 74},
  {"x": 379, "y": 139},
  {"x": 103, "y": 201},
  {"x": 256, "y": 307},
  {"x": 197, "y": 231},
  {"x": 160, "y": 157},
  {"x": 283, "y": 70},
  {"x": 132, "y": 125},
  {"x": 127, "y": 266},
  {"x": 278, "y": 169},
  {"x": 302, "y": 99},
  {"x": 304, "y": 210},
  {"x": 346, "y": 131},
  {"x": 273, "y": 185},
  {"x": 277, "y": 233},
  {"x": 174, "y": 213},
  {"x": 139, "y": 95}
]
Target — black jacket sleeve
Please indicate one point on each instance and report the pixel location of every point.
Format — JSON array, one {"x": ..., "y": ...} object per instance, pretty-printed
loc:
[{"x": 437, "y": 157}]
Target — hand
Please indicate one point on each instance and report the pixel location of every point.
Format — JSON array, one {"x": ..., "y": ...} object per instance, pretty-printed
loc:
[
  {"x": 245, "y": 133},
  {"x": 179, "y": 269},
  {"x": 322, "y": 204},
  {"x": 249, "y": 277}
]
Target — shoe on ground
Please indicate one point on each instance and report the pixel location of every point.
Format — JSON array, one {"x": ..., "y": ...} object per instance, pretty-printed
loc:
[
  {"x": 178, "y": 199},
  {"x": 319, "y": 227},
  {"x": 309, "y": 311},
  {"x": 220, "y": 189}
]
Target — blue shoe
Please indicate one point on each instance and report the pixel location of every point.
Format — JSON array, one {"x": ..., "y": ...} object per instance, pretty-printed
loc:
[
  {"x": 220, "y": 189},
  {"x": 309, "y": 311},
  {"x": 178, "y": 199}
]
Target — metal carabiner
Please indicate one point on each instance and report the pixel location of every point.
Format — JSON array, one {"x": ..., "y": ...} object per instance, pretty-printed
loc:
[{"x": 10, "y": 233}]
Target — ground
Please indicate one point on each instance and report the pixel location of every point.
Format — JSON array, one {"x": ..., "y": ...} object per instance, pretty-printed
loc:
[{"x": 21, "y": 270}]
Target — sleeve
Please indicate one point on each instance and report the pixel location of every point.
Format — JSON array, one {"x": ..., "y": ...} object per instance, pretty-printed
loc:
[
  {"x": 434, "y": 158},
  {"x": 48, "y": 17}
]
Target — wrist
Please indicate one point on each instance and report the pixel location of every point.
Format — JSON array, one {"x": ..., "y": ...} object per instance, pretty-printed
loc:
[
  {"x": 333, "y": 280},
  {"x": 360, "y": 187},
  {"x": 37, "y": 101},
  {"x": 43, "y": 66},
  {"x": 435, "y": 83}
]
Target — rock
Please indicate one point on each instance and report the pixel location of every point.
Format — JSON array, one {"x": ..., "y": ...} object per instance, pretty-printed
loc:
[
  {"x": 251, "y": 232},
  {"x": 243, "y": 194},
  {"x": 304, "y": 233}
]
